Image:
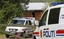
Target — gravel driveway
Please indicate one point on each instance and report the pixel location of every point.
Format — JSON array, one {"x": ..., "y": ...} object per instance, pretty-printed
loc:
[{"x": 3, "y": 37}]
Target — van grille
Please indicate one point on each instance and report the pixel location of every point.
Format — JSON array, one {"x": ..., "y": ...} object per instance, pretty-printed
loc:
[{"x": 13, "y": 29}]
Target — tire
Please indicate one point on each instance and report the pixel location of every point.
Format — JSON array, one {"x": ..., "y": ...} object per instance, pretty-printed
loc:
[
  {"x": 7, "y": 36},
  {"x": 34, "y": 37},
  {"x": 24, "y": 35},
  {"x": 30, "y": 35}
]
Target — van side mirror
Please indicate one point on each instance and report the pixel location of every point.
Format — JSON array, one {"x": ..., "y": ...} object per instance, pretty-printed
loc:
[{"x": 36, "y": 22}]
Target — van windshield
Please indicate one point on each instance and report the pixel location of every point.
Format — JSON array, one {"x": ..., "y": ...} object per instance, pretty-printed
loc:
[{"x": 17, "y": 22}]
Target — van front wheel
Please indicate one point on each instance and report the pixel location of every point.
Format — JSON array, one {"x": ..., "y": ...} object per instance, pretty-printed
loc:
[
  {"x": 7, "y": 36},
  {"x": 34, "y": 37}
]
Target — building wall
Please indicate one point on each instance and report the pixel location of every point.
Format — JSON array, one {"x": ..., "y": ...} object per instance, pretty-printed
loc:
[
  {"x": 37, "y": 14},
  {"x": 27, "y": 14}
]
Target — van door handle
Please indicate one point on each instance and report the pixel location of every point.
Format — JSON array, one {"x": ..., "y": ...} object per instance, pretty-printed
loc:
[{"x": 46, "y": 29}]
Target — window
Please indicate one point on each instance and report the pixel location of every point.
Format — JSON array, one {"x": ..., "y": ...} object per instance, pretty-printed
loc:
[
  {"x": 14, "y": 22},
  {"x": 27, "y": 23},
  {"x": 30, "y": 22},
  {"x": 43, "y": 19},
  {"x": 17, "y": 22},
  {"x": 21, "y": 22},
  {"x": 54, "y": 16}
]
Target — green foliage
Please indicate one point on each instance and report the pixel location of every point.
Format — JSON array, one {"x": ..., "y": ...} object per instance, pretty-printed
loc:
[
  {"x": 59, "y": 0},
  {"x": 10, "y": 9}
]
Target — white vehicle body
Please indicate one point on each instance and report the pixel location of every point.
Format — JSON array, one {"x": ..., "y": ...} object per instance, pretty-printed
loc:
[
  {"x": 51, "y": 25},
  {"x": 18, "y": 29},
  {"x": 27, "y": 19},
  {"x": 36, "y": 33},
  {"x": 21, "y": 27}
]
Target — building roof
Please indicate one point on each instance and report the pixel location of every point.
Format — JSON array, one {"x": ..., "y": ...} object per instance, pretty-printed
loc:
[
  {"x": 36, "y": 0},
  {"x": 36, "y": 6}
]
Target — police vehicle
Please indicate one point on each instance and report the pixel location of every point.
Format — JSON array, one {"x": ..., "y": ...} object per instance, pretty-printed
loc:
[
  {"x": 19, "y": 25},
  {"x": 51, "y": 24}
]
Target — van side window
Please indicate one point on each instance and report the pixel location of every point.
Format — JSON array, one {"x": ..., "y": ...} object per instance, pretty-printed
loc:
[
  {"x": 43, "y": 19},
  {"x": 30, "y": 22},
  {"x": 27, "y": 23},
  {"x": 54, "y": 16}
]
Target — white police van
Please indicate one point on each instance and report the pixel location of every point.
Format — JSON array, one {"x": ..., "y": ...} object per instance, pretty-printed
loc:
[
  {"x": 19, "y": 25},
  {"x": 51, "y": 24}
]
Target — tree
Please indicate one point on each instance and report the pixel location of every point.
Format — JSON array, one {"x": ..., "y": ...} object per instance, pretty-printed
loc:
[
  {"x": 59, "y": 0},
  {"x": 10, "y": 9}
]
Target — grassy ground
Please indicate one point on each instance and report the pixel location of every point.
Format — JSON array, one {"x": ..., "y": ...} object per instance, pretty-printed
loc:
[{"x": 2, "y": 36}]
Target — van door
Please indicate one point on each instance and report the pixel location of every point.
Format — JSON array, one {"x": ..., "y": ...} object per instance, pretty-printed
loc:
[
  {"x": 42, "y": 23},
  {"x": 49, "y": 31}
]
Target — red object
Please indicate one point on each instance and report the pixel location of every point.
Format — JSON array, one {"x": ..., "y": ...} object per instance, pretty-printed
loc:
[
  {"x": 36, "y": 33},
  {"x": 60, "y": 32},
  {"x": 18, "y": 34},
  {"x": 24, "y": 29}
]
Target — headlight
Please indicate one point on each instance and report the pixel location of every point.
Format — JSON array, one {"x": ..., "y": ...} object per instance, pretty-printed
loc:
[{"x": 24, "y": 29}]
